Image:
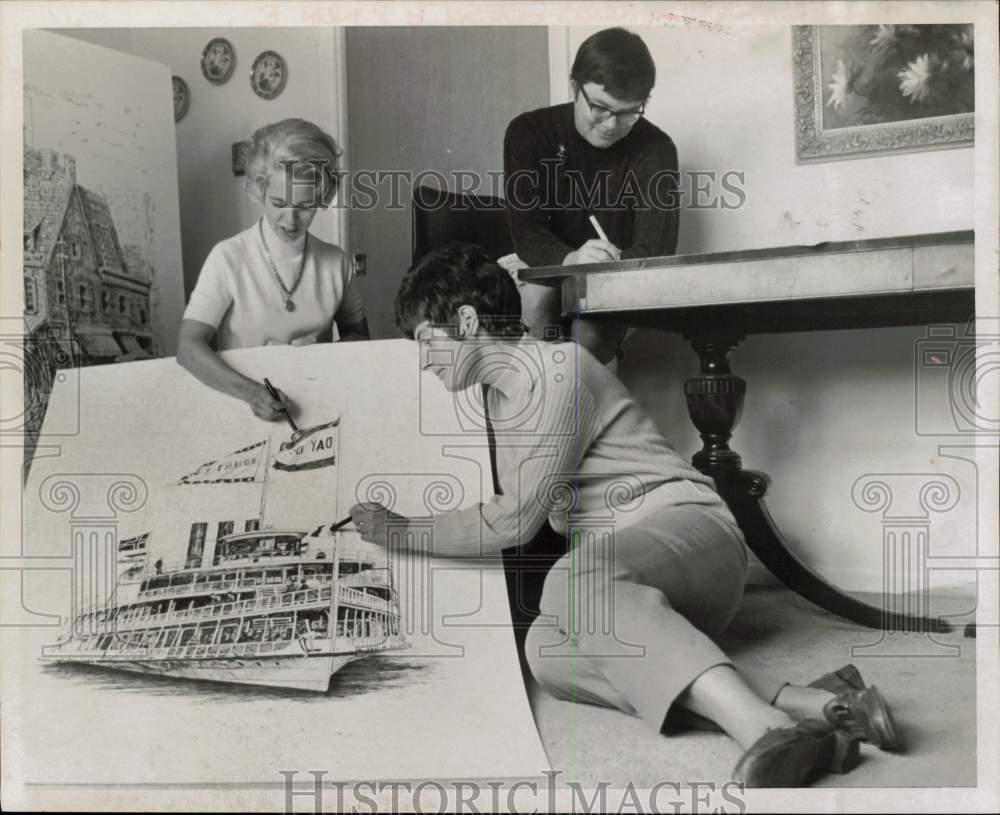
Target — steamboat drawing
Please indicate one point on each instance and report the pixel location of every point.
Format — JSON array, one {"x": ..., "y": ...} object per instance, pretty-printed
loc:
[
  {"x": 275, "y": 607},
  {"x": 280, "y": 608}
]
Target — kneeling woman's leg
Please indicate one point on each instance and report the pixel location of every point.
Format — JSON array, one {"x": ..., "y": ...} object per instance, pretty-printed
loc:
[
  {"x": 627, "y": 622},
  {"x": 627, "y": 619}
]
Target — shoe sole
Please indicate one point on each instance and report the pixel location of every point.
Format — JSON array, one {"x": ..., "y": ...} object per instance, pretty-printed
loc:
[
  {"x": 839, "y": 752},
  {"x": 870, "y": 720},
  {"x": 883, "y": 731},
  {"x": 833, "y": 751}
]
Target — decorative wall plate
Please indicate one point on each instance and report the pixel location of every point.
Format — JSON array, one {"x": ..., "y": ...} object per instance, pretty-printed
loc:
[
  {"x": 182, "y": 98},
  {"x": 218, "y": 61},
  {"x": 269, "y": 74}
]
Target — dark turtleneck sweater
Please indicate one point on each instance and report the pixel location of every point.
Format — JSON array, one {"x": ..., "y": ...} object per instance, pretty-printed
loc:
[{"x": 555, "y": 180}]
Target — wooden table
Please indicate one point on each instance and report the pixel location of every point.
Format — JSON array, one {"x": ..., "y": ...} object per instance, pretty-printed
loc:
[{"x": 716, "y": 300}]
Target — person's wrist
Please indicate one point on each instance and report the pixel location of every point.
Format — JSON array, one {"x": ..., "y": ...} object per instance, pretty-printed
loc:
[{"x": 245, "y": 389}]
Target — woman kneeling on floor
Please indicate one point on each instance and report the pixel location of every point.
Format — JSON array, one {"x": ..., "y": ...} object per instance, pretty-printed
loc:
[{"x": 636, "y": 604}]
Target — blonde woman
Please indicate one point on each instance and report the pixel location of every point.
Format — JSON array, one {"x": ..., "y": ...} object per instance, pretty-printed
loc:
[{"x": 274, "y": 283}]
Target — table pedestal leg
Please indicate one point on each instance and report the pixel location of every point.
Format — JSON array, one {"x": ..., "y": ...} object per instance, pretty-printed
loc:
[{"x": 715, "y": 402}]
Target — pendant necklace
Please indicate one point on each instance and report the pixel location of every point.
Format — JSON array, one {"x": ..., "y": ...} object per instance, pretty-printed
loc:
[{"x": 288, "y": 292}]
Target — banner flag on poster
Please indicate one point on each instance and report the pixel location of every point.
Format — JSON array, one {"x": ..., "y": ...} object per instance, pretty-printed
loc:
[
  {"x": 309, "y": 449},
  {"x": 241, "y": 466}
]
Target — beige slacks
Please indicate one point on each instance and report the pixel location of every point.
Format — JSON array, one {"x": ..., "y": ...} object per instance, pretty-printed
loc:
[{"x": 627, "y": 619}]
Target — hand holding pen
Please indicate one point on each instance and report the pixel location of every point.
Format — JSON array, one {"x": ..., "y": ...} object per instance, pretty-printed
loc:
[
  {"x": 341, "y": 524},
  {"x": 596, "y": 250},
  {"x": 270, "y": 404}
]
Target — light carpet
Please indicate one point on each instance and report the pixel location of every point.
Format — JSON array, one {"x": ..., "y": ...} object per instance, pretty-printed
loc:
[{"x": 929, "y": 681}]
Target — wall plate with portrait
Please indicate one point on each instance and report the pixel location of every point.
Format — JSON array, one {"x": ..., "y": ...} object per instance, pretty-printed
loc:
[
  {"x": 218, "y": 61},
  {"x": 269, "y": 74},
  {"x": 182, "y": 98},
  {"x": 863, "y": 90}
]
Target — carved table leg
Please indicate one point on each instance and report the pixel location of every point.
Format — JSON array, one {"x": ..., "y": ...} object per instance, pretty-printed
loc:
[{"x": 715, "y": 402}]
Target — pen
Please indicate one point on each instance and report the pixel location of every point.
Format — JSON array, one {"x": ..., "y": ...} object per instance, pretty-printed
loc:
[
  {"x": 340, "y": 524},
  {"x": 274, "y": 395},
  {"x": 597, "y": 229}
]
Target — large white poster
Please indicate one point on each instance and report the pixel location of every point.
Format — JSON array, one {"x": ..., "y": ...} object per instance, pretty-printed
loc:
[
  {"x": 168, "y": 466},
  {"x": 102, "y": 251}
]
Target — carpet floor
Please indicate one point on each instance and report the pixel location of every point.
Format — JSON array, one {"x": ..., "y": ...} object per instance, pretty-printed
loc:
[{"x": 929, "y": 683}]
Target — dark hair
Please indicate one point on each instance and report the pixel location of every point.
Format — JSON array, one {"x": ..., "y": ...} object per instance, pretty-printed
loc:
[
  {"x": 617, "y": 59},
  {"x": 455, "y": 275}
]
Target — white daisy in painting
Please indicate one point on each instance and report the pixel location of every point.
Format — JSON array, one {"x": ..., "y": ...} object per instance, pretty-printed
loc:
[
  {"x": 915, "y": 79},
  {"x": 966, "y": 43},
  {"x": 884, "y": 37},
  {"x": 840, "y": 87}
]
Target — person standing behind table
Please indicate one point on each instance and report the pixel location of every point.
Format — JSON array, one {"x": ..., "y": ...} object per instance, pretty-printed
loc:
[
  {"x": 274, "y": 283},
  {"x": 597, "y": 156}
]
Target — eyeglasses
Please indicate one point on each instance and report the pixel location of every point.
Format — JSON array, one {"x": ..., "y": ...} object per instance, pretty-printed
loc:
[
  {"x": 427, "y": 332},
  {"x": 600, "y": 113}
]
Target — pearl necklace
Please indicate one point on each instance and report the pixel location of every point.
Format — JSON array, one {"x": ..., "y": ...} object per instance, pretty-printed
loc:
[{"x": 288, "y": 292}]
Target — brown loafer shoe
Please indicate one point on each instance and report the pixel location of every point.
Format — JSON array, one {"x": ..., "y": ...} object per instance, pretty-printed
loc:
[
  {"x": 792, "y": 756},
  {"x": 844, "y": 679},
  {"x": 866, "y": 715}
]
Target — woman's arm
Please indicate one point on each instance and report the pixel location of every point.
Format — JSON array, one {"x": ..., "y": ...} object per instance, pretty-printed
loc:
[
  {"x": 352, "y": 325},
  {"x": 196, "y": 355},
  {"x": 354, "y": 331},
  {"x": 536, "y": 481},
  {"x": 537, "y": 477}
]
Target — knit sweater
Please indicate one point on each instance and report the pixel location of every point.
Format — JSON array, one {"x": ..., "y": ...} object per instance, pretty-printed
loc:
[
  {"x": 555, "y": 180},
  {"x": 237, "y": 292},
  {"x": 572, "y": 444}
]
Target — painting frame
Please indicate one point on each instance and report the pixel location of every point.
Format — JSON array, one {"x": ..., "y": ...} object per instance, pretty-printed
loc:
[{"x": 814, "y": 143}]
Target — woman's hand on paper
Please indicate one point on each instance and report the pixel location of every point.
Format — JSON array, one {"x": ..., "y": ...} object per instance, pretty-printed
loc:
[{"x": 263, "y": 405}]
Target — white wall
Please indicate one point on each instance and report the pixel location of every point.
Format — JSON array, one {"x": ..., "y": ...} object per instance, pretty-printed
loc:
[
  {"x": 213, "y": 205},
  {"x": 430, "y": 98},
  {"x": 822, "y": 408}
]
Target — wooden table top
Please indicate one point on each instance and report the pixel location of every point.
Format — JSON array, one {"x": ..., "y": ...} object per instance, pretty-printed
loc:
[{"x": 851, "y": 284}]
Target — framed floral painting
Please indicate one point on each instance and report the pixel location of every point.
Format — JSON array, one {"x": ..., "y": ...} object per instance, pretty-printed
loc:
[{"x": 863, "y": 90}]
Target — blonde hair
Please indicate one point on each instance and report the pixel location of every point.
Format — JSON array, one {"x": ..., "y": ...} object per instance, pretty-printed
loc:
[{"x": 303, "y": 147}]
